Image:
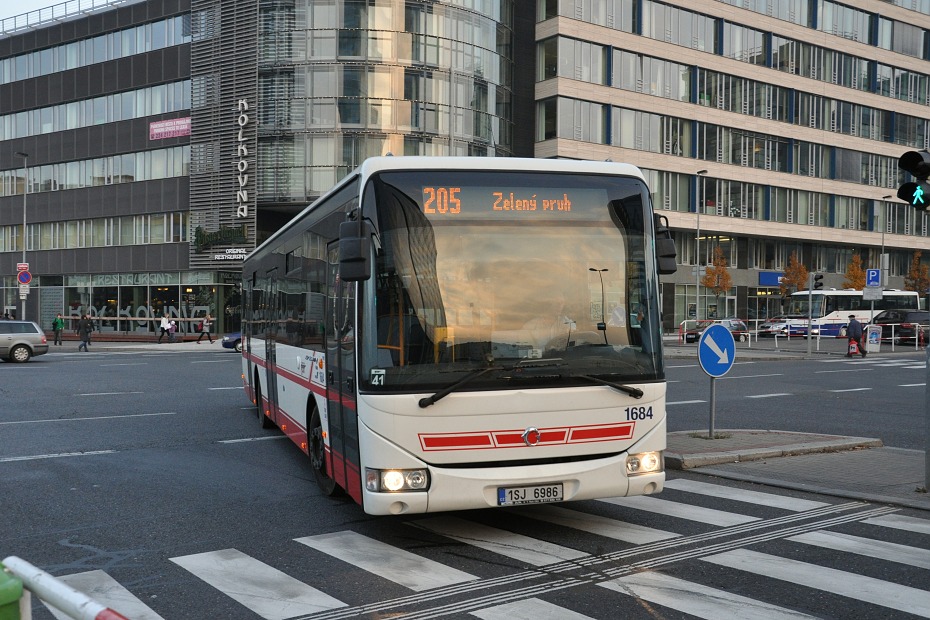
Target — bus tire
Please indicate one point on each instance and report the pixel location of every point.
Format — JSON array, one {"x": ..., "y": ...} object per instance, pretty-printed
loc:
[
  {"x": 318, "y": 456},
  {"x": 265, "y": 420}
]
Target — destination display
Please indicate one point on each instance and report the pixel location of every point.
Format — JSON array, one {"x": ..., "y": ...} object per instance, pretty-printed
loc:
[{"x": 451, "y": 201}]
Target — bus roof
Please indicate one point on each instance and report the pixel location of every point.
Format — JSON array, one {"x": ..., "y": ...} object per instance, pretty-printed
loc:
[
  {"x": 849, "y": 291},
  {"x": 373, "y": 165}
]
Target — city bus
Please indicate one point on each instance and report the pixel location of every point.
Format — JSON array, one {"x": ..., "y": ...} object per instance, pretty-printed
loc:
[
  {"x": 830, "y": 309},
  {"x": 433, "y": 333}
]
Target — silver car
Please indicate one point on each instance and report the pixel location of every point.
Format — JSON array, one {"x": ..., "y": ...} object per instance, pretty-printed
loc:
[{"x": 20, "y": 340}]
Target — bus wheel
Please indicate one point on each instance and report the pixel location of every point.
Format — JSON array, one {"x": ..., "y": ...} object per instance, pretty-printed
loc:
[{"x": 318, "y": 456}]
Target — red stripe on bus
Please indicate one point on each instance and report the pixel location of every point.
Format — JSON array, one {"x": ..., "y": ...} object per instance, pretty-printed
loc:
[
  {"x": 602, "y": 433},
  {"x": 456, "y": 442}
]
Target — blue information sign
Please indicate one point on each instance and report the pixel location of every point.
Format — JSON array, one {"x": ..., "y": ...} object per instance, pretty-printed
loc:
[
  {"x": 716, "y": 350},
  {"x": 873, "y": 277}
]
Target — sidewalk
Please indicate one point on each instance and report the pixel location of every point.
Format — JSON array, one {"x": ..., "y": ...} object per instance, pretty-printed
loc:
[{"x": 853, "y": 467}]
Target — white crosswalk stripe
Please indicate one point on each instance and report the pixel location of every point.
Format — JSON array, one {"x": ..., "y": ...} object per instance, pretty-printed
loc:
[
  {"x": 384, "y": 560},
  {"x": 741, "y": 495},
  {"x": 698, "y": 600},
  {"x": 273, "y": 594},
  {"x": 509, "y": 544},
  {"x": 594, "y": 524},
  {"x": 682, "y": 511},
  {"x": 530, "y": 609},
  {"x": 265, "y": 590},
  {"x": 901, "y": 522},
  {"x": 850, "y": 585},
  {"x": 882, "y": 550},
  {"x": 107, "y": 591}
]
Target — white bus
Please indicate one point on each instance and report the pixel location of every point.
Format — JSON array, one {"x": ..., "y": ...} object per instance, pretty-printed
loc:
[
  {"x": 830, "y": 309},
  {"x": 433, "y": 333}
]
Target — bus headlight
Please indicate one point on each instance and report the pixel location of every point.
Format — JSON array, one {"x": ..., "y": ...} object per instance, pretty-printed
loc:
[
  {"x": 395, "y": 480},
  {"x": 644, "y": 463}
]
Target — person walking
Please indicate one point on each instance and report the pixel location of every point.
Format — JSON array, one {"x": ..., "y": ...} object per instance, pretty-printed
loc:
[
  {"x": 84, "y": 328},
  {"x": 58, "y": 326},
  {"x": 205, "y": 326},
  {"x": 854, "y": 332},
  {"x": 163, "y": 326}
]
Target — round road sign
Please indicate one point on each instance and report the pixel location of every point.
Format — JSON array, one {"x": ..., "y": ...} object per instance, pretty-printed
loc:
[{"x": 24, "y": 277}]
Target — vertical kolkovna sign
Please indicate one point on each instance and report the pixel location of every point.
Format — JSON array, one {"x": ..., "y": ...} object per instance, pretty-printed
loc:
[{"x": 242, "y": 165}]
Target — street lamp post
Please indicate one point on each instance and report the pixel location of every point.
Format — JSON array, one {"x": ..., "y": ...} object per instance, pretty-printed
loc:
[
  {"x": 602, "y": 326},
  {"x": 25, "y": 156},
  {"x": 881, "y": 257},
  {"x": 697, "y": 248}
]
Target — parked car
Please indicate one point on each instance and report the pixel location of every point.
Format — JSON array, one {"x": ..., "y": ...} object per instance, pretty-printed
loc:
[
  {"x": 902, "y": 325},
  {"x": 780, "y": 325},
  {"x": 21, "y": 340},
  {"x": 233, "y": 341},
  {"x": 736, "y": 326}
]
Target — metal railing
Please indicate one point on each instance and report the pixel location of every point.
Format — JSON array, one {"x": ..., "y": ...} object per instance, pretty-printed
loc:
[{"x": 72, "y": 9}]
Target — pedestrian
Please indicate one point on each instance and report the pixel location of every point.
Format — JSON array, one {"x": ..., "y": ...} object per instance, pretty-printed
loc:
[
  {"x": 172, "y": 329},
  {"x": 205, "y": 326},
  {"x": 58, "y": 326},
  {"x": 84, "y": 328},
  {"x": 163, "y": 327},
  {"x": 854, "y": 333}
]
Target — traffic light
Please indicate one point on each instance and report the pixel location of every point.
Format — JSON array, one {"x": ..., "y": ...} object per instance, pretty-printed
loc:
[
  {"x": 818, "y": 281},
  {"x": 916, "y": 193}
]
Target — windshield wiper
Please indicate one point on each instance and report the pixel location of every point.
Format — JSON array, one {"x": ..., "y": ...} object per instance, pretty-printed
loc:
[
  {"x": 632, "y": 391},
  {"x": 538, "y": 363}
]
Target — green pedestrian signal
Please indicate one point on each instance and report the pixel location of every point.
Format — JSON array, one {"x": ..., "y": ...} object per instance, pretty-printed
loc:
[{"x": 916, "y": 193}]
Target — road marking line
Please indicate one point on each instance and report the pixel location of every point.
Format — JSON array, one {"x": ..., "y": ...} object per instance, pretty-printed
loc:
[
  {"x": 843, "y": 583},
  {"x": 820, "y": 372},
  {"x": 402, "y": 567},
  {"x": 238, "y": 387},
  {"x": 126, "y": 364},
  {"x": 109, "y": 393},
  {"x": 212, "y": 361},
  {"x": 901, "y": 522},
  {"x": 100, "y": 417},
  {"x": 252, "y": 439},
  {"x": 862, "y": 389},
  {"x": 912, "y": 385},
  {"x": 685, "y": 402},
  {"x": 769, "y": 395},
  {"x": 777, "y": 374},
  {"x": 268, "y": 592},
  {"x": 607, "y": 527},
  {"x": 37, "y": 457}
]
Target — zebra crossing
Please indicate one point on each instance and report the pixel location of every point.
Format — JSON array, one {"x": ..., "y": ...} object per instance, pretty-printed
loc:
[{"x": 644, "y": 546}]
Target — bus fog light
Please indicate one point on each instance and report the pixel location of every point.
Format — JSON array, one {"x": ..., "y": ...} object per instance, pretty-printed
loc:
[
  {"x": 644, "y": 463},
  {"x": 416, "y": 479}
]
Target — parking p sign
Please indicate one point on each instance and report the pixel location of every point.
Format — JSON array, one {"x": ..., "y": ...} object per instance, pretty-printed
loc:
[{"x": 873, "y": 277}]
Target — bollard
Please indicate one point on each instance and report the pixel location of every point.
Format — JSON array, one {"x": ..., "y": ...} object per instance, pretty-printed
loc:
[
  {"x": 58, "y": 594},
  {"x": 11, "y": 592}
]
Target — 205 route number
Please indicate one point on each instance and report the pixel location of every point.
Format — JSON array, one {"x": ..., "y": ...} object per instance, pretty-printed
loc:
[{"x": 536, "y": 494}]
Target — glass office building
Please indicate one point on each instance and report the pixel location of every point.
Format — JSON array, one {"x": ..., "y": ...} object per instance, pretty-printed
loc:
[{"x": 149, "y": 144}]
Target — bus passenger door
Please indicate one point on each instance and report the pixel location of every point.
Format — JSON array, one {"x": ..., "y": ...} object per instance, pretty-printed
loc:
[
  {"x": 272, "y": 312},
  {"x": 340, "y": 379}
]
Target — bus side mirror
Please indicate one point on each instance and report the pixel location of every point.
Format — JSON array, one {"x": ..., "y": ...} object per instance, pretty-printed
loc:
[
  {"x": 354, "y": 251},
  {"x": 666, "y": 253}
]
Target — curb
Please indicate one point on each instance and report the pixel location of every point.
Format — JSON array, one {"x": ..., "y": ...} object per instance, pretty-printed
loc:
[{"x": 701, "y": 459}]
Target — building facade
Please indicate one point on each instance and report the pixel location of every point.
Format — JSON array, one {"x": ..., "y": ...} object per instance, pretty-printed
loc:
[{"x": 147, "y": 145}]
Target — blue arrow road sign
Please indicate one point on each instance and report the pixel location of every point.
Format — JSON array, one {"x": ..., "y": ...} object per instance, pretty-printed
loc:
[
  {"x": 716, "y": 350},
  {"x": 873, "y": 277}
]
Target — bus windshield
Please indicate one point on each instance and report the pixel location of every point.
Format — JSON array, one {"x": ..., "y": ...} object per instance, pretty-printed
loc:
[{"x": 544, "y": 276}]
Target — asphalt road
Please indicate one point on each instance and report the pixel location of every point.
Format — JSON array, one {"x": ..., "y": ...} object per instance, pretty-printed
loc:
[{"x": 146, "y": 476}]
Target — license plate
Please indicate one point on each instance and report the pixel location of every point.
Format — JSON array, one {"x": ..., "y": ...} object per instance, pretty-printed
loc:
[{"x": 536, "y": 494}]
